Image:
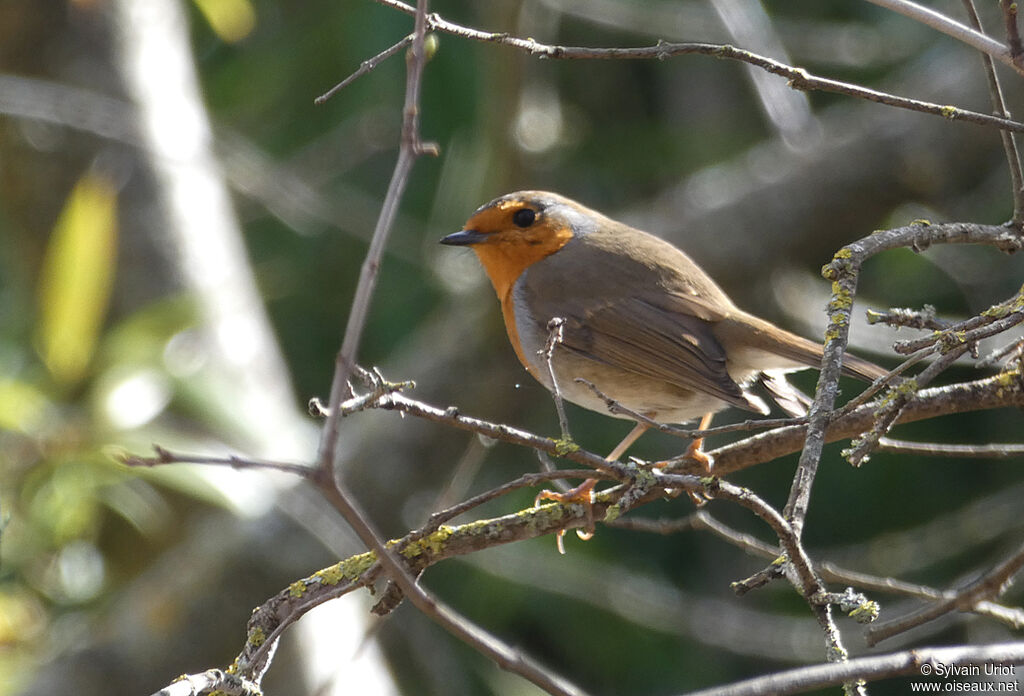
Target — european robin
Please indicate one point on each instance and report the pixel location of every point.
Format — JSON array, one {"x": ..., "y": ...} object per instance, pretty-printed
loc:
[{"x": 641, "y": 321}]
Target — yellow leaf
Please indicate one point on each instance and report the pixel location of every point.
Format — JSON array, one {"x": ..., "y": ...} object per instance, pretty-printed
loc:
[
  {"x": 231, "y": 20},
  {"x": 22, "y": 406},
  {"x": 76, "y": 277}
]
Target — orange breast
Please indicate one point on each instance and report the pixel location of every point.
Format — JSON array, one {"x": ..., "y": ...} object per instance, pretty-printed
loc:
[{"x": 505, "y": 257}]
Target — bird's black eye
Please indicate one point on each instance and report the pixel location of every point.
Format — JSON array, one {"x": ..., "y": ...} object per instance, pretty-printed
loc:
[{"x": 524, "y": 217}]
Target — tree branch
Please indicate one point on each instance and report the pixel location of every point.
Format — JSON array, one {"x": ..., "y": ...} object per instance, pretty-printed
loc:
[
  {"x": 844, "y": 271},
  {"x": 944, "y": 24},
  {"x": 798, "y": 78},
  {"x": 917, "y": 662},
  {"x": 992, "y": 584}
]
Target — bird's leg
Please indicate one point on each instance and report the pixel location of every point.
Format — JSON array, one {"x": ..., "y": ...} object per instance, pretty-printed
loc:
[
  {"x": 627, "y": 442},
  {"x": 583, "y": 494},
  {"x": 695, "y": 451}
]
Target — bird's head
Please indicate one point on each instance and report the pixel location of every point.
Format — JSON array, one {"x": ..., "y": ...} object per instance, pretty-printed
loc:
[{"x": 518, "y": 229}]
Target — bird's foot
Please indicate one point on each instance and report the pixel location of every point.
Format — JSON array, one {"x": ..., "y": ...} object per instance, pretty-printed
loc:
[{"x": 582, "y": 494}]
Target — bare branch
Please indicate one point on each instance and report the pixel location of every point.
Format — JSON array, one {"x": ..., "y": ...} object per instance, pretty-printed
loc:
[
  {"x": 365, "y": 67},
  {"x": 999, "y": 102},
  {"x": 1009, "y": 9},
  {"x": 994, "y": 392},
  {"x": 890, "y": 407},
  {"x": 165, "y": 456},
  {"x": 990, "y": 585},
  {"x": 916, "y": 319},
  {"x": 937, "y": 449},
  {"x": 214, "y": 680},
  {"x": 941, "y": 22},
  {"x": 917, "y": 662},
  {"x": 992, "y": 321},
  {"x": 798, "y": 78},
  {"x": 844, "y": 271},
  {"x": 555, "y": 327},
  {"x": 411, "y": 148}
]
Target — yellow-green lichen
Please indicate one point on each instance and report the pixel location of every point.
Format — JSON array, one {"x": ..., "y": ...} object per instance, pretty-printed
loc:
[
  {"x": 950, "y": 112},
  {"x": 642, "y": 478},
  {"x": 779, "y": 560},
  {"x": 866, "y": 612},
  {"x": 838, "y": 319},
  {"x": 921, "y": 222},
  {"x": 842, "y": 299},
  {"x": 564, "y": 446},
  {"x": 844, "y": 253},
  {"x": 906, "y": 388},
  {"x": 952, "y": 340},
  {"x": 1009, "y": 380},
  {"x": 349, "y": 569},
  {"x": 256, "y": 637},
  {"x": 543, "y": 517},
  {"x": 297, "y": 589},
  {"x": 612, "y": 513},
  {"x": 837, "y": 654},
  {"x": 432, "y": 544},
  {"x": 997, "y": 311}
]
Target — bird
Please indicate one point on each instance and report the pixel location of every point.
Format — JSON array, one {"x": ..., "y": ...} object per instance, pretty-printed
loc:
[{"x": 639, "y": 320}]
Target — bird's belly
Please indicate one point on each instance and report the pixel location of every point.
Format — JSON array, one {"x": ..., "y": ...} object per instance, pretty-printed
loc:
[
  {"x": 654, "y": 398},
  {"x": 658, "y": 400}
]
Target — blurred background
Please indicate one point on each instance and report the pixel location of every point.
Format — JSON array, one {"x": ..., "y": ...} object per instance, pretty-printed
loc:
[{"x": 182, "y": 229}]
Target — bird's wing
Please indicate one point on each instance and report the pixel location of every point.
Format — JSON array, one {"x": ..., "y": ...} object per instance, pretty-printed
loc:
[
  {"x": 650, "y": 311},
  {"x": 675, "y": 347}
]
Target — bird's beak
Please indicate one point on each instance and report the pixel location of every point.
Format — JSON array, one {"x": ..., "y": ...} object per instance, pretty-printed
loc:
[{"x": 464, "y": 238}]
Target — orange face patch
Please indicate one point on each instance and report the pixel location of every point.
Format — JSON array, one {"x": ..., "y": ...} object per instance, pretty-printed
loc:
[{"x": 509, "y": 249}]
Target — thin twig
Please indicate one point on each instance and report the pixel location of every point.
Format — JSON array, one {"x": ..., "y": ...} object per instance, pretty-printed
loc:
[
  {"x": 992, "y": 584},
  {"x": 798, "y": 78},
  {"x": 879, "y": 384},
  {"x": 988, "y": 393},
  {"x": 937, "y": 449},
  {"x": 844, "y": 271},
  {"x": 891, "y": 406},
  {"x": 999, "y": 107},
  {"x": 524, "y": 481},
  {"x": 555, "y": 327},
  {"x": 210, "y": 681},
  {"x": 411, "y": 148},
  {"x": 992, "y": 321},
  {"x": 165, "y": 456},
  {"x": 803, "y": 576},
  {"x": 364, "y": 67},
  {"x": 924, "y": 318},
  {"x": 1009, "y": 8},
  {"x": 917, "y": 662},
  {"x": 944, "y": 24},
  {"x": 996, "y": 356},
  {"x": 506, "y": 433},
  {"x": 830, "y": 572}
]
